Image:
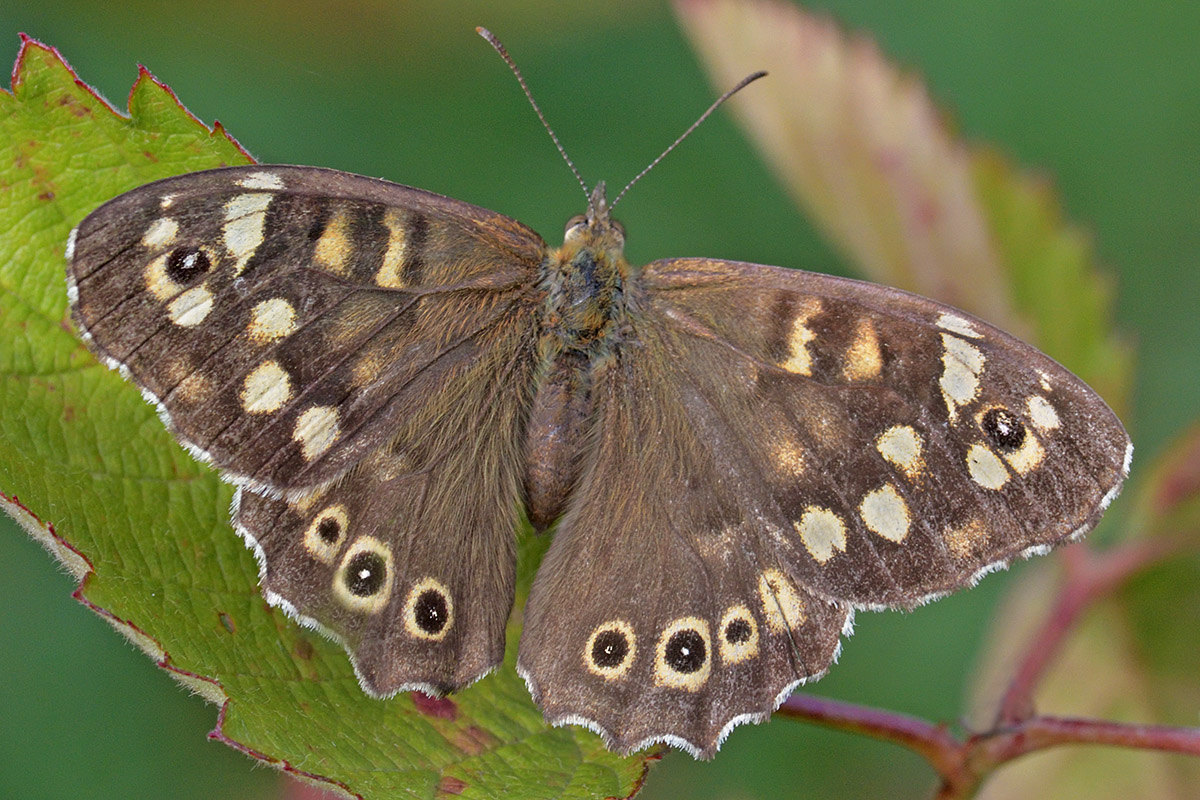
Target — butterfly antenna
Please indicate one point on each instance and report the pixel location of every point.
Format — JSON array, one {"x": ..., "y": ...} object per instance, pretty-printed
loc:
[
  {"x": 495, "y": 43},
  {"x": 742, "y": 84}
]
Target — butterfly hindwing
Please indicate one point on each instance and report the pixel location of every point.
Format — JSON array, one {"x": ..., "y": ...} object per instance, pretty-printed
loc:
[
  {"x": 352, "y": 353},
  {"x": 662, "y": 611}
]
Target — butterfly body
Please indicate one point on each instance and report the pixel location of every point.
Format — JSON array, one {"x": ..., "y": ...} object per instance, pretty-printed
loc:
[
  {"x": 734, "y": 457},
  {"x": 581, "y": 322}
]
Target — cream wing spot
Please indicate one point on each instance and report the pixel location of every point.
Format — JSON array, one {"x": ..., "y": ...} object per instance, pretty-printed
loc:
[
  {"x": 1027, "y": 457},
  {"x": 160, "y": 233},
  {"x": 429, "y": 610},
  {"x": 799, "y": 360},
  {"x": 787, "y": 456},
  {"x": 335, "y": 245},
  {"x": 823, "y": 533},
  {"x": 316, "y": 430},
  {"x": 986, "y": 468},
  {"x": 324, "y": 535},
  {"x": 1043, "y": 415},
  {"x": 901, "y": 445},
  {"x": 863, "y": 359},
  {"x": 158, "y": 283},
  {"x": 967, "y": 539},
  {"x": 245, "y": 217},
  {"x": 272, "y": 320},
  {"x": 267, "y": 389},
  {"x": 390, "y": 274},
  {"x": 959, "y": 325},
  {"x": 885, "y": 512},
  {"x": 782, "y": 605},
  {"x": 737, "y": 635},
  {"x": 192, "y": 307},
  {"x": 261, "y": 180},
  {"x": 962, "y": 364},
  {"x": 610, "y": 650},
  {"x": 684, "y": 655},
  {"x": 363, "y": 580}
]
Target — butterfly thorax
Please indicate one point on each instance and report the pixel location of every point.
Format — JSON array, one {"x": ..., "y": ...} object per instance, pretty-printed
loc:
[{"x": 581, "y": 322}]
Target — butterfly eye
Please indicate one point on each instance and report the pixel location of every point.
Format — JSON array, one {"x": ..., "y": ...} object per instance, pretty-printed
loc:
[
  {"x": 575, "y": 221},
  {"x": 619, "y": 228}
]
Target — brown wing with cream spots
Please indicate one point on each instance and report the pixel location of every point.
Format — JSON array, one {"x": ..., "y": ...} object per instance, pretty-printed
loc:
[
  {"x": 281, "y": 316},
  {"x": 358, "y": 355},
  {"x": 895, "y": 448},
  {"x": 663, "y": 611}
]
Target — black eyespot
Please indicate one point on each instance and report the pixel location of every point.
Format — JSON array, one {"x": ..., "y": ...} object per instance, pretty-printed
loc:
[
  {"x": 185, "y": 264},
  {"x": 365, "y": 574},
  {"x": 1004, "y": 429},
  {"x": 685, "y": 651},
  {"x": 610, "y": 649},
  {"x": 430, "y": 612},
  {"x": 738, "y": 631},
  {"x": 329, "y": 529}
]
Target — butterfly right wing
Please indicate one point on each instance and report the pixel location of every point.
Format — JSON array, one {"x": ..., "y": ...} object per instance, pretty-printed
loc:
[
  {"x": 772, "y": 449},
  {"x": 357, "y": 355}
]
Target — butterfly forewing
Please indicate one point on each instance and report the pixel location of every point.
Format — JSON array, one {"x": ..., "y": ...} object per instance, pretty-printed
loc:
[
  {"x": 901, "y": 446},
  {"x": 281, "y": 315},
  {"x": 353, "y": 353}
]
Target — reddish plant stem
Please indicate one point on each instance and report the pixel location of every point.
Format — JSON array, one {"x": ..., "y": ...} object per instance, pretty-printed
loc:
[
  {"x": 963, "y": 764},
  {"x": 931, "y": 741},
  {"x": 1088, "y": 577}
]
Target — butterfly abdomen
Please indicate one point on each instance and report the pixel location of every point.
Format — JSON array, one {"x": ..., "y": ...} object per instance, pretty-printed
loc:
[{"x": 580, "y": 323}]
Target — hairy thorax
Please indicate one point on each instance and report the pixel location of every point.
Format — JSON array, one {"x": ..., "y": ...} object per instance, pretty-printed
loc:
[{"x": 581, "y": 321}]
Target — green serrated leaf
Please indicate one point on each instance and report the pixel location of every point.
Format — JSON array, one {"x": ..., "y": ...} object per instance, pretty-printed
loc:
[{"x": 148, "y": 528}]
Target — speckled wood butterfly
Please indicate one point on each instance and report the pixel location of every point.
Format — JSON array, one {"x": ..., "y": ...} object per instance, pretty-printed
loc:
[{"x": 736, "y": 456}]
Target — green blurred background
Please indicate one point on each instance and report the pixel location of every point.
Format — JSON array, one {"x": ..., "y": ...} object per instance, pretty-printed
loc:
[{"x": 1102, "y": 96}]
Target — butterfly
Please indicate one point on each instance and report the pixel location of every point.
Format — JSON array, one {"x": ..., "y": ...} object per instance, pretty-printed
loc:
[{"x": 733, "y": 457}]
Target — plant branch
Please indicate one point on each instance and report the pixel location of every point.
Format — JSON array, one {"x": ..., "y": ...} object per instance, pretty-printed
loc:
[
  {"x": 1088, "y": 576},
  {"x": 963, "y": 763}
]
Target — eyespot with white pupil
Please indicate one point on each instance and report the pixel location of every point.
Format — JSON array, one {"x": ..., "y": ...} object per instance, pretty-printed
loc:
[
  {"x": 685, "y": 651},
  {"x": 429, "y": 610},
  {"x": 185, "y": 264},
  {"x": 363, "y": 580},
  {"x": 610, "y": 650},
  {"x": 1003, "y": 428},
  {"x": 684, "y": 657},
  {"x": 365, "y": 574}
]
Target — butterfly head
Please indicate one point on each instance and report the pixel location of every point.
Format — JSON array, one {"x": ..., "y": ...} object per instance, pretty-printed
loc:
[{"x": 596, "y": 231}]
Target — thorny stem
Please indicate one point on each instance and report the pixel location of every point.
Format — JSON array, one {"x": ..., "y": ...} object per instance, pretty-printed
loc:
[{"x": 963, "y": 763}]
